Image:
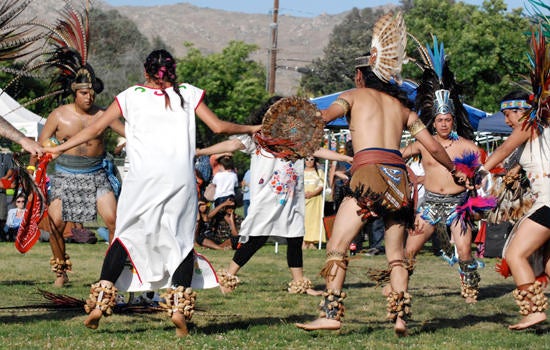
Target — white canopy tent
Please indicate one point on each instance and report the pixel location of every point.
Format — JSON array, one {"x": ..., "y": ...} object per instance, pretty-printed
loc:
[{"x": 22, "y": 119}]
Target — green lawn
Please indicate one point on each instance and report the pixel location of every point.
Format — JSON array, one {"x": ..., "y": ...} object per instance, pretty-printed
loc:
[{"x": 260, "y": 314}]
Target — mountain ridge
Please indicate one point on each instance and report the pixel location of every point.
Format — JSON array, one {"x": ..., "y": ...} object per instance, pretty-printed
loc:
[{"x": 300, "y": 39}]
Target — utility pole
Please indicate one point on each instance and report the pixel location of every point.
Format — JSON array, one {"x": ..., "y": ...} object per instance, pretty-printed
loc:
[{"x": 273, "y": 49}]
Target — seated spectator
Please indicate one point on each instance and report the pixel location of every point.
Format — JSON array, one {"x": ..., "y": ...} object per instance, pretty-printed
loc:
[
  {"x": 206, "y": 232},
  {"x": 15, "y": 216},
  {"x": 228, "y": 225},
  {"x": 225, "y": 180}
]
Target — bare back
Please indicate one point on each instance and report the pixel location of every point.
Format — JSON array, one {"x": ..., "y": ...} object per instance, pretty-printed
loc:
[
  {"x": 65, "y": 122},
  {"x": 377, "y": 119}
]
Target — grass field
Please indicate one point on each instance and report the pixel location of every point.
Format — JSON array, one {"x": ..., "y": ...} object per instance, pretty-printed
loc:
[{"x": 260, "y": 314}]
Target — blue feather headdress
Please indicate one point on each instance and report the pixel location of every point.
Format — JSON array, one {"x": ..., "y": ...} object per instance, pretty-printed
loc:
[{"x": 438, "y": 92}]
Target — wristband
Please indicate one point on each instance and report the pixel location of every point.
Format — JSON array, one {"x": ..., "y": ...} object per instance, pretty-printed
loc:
[{"x": 31, "y": 167}]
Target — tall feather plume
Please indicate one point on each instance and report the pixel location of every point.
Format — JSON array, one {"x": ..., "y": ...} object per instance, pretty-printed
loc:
[
  {"x": 425, "y": 96},
  {"x": 66, "y": 51},
  {"x": 389, "y": 40},
  {"x": 538, "y": 116},
  {"x": 424, "y": 54},
  {"x": 16, "y": 38},
  {"x": 438, "y": 76},
  {"x": 69, "y": 40},
  {"x": 538, "y": 10},
  {"x": 72, "y": 31}
]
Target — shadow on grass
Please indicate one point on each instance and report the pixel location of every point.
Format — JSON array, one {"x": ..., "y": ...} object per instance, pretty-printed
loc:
[
  {"x": 33, "y": 314},
  {"x": 357, "y": 285},
  {"x": 18, "y": 283},
  {"x": 485, "y": 292},
  {"x": 504, "y": 319},
  {"x": 495, "y": 291}
]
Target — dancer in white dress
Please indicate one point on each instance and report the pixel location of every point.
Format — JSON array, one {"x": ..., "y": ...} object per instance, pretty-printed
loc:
[
  {"x": 531, "y": 234},
  {"x": 158, "y": 204},
  {"x": 277, "y": 206}
]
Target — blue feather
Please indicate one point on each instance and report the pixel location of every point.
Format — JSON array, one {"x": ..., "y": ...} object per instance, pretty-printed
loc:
[{"x": 437, "y": 56}]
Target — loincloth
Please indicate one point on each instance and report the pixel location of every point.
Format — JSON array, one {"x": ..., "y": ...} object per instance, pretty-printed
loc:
[
  {"x": 440, "y": 207},
  {"x": 380, "y": 184},
  {"x": 78, "y": 182}
]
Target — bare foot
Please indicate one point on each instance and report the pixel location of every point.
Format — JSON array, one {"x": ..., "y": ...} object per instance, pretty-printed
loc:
[
  {"x": 226, "y": 290},
  {"x": 470, "y": 300},
  {"x": 386, "y": 290},
  {"x": 60, "y": 281},
  {"x": 181, "y": 326},
  {"x": 400, "y": 327},
  {"x": 92, "y": 321},
  {"x": 320, "y": 324},
  {"x": 529, "y": 320},
  {"x": 314, "y": 292}
]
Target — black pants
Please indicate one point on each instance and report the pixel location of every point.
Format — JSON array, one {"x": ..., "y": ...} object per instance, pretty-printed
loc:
[
  {"x": 116, "y": 258},
  {"x": 294, "y": 257},
  {"x": 542, "y": 216}
]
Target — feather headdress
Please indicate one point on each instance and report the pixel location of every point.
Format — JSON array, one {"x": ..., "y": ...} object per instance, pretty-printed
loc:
[
  {"x": 538, "y": 116},
  {"x": 387, "y": 50},
  {"x": 70, "y": 40},
  {"x": 438, "y": 92},
  {"x": 15, "y": 38},
  {"x": 66, "y": 51},
  {"x": 538, "y": 9}
]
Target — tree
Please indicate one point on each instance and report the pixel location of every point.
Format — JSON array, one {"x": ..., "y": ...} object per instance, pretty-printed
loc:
[
  {"x": 348, "y": 40},
  {"x": 234, "y": 84},
  {"x": 117, "y": 52},
  {"x": 486, "y": 46}
]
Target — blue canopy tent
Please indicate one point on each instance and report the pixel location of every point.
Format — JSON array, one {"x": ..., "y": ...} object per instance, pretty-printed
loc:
[
  {"x": 322, "y": 102},
  {"x": 495, "y": 123}
]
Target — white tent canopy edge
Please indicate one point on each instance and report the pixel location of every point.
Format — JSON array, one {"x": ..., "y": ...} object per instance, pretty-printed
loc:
[{"x": 29, "y": 123}]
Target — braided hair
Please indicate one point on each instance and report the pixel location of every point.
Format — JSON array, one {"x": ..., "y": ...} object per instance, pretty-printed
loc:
[{"x": 161, "y": 68}]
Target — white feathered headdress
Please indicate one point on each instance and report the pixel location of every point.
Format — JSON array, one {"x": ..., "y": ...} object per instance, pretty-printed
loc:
[{"x": 387, "y": 50}]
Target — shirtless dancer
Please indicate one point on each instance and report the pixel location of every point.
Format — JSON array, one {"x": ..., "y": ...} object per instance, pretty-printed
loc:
[
  {"x": 80, "y": 182},
  {"x": 379, "y": 178},
  {"x": 442, "y": 111},
  {"x": 440, "y": 201}
]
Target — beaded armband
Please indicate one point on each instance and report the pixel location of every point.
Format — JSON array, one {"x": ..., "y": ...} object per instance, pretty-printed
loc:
[
  {"x": 344, "y": 104},
  {"x": 416, "y": 127}
]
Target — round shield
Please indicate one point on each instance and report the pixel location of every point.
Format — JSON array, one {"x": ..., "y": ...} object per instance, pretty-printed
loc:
[{"x": 292, "y": 128}]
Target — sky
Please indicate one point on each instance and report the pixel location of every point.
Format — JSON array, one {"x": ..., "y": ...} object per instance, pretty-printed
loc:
[{"x": 300, "y": 8}]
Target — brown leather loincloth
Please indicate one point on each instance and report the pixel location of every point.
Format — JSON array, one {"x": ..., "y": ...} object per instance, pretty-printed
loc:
[{"x": 380, "y": 184}]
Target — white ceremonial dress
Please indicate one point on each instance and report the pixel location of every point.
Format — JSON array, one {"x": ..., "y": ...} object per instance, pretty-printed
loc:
[
  {"x": 535, "y": 160},
  {"x": 276, "y": 195},
  {"x": 157, "y": 207}
]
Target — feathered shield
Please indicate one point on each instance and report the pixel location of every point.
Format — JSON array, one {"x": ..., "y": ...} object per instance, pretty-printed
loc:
[
  {"x": 473, "y": 205},
  {"x": 292, "y": 128}
]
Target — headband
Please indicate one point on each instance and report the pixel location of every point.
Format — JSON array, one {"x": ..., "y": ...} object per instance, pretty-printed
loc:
[{"x": 514, "y": 104}]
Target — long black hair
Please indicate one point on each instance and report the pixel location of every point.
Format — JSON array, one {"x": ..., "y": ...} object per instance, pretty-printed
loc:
[
  {"x": 372, "y": 81},
  {"x": 257, "y": 116},
  {"x": 161, "y": 67}
]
